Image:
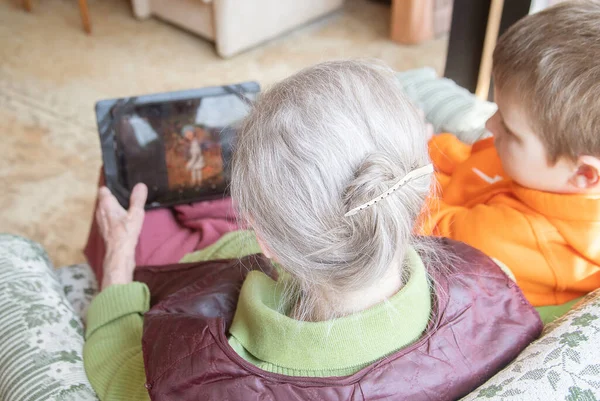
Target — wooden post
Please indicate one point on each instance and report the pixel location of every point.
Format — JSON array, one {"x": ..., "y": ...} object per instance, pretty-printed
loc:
[
  {"x": 412, "y": 21},
  {"x": 85, "y": 16},
  {"x": 467, "y": 37},
  {"x": 27, "y": 5},
  {"x": 491, "y": 36}
]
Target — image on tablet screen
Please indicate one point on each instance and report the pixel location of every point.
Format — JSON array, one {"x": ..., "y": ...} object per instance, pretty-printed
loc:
[{"x": 180, "y": 146}]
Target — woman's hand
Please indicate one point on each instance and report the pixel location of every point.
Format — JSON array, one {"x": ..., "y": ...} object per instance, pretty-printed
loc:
[{"x": 120, "y": 229}]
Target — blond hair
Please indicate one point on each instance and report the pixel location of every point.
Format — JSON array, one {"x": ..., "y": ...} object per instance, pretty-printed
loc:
[
  {"x": 317, "y": 145},
  {"x": 549, "y": 63}
]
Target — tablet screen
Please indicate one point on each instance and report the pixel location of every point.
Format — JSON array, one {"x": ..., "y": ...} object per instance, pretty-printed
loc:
[{"x": 179, "y": 146}]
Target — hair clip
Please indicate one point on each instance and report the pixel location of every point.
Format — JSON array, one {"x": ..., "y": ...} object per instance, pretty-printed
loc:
[{"x": 417, "y": 173}]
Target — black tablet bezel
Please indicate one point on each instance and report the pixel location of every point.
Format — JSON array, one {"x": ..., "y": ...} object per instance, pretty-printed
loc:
[{"x": 106, "y": 121}]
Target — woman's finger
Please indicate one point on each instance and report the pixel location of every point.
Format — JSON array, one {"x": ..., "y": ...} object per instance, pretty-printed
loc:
[
  {"x": 103, "y": 204},
  {"x": 110, "y": 206},
  {"x": 103, "y": 192},
  {"x": 101, "y": 220},
  {"x": 138, "y": 196}
]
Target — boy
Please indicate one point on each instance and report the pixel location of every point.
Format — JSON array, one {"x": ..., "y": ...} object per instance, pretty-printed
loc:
[{"x": 530, "y": 196}]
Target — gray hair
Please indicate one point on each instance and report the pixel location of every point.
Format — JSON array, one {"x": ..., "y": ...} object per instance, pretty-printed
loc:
[{"x": 316, "y": 145}]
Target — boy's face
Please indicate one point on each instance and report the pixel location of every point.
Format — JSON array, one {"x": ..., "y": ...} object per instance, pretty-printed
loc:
[{"x": 523, "y": 155}]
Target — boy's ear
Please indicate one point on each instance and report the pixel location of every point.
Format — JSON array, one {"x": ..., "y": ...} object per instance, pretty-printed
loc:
[{"x": 587, "y": 175}]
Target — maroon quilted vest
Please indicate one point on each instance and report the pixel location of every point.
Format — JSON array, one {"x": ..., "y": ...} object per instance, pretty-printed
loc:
[{"x": 481, "y": 322}]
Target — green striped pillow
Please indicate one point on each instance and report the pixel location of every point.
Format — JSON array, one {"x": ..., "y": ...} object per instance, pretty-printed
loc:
[{"x": 447, "y": 106}]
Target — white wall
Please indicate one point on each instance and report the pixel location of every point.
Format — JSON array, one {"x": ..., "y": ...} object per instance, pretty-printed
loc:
[{"x": 537, "y": 5}]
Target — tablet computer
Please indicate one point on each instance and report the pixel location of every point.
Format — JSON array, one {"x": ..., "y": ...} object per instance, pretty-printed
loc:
[{"x": 178, "y": 143}]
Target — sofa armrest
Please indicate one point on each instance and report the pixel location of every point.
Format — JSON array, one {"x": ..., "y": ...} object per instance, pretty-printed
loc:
[{"x": 563, "y": 364}]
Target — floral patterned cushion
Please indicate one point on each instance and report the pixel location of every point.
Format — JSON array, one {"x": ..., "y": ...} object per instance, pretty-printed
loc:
[
  {"x": 563, "y": 364},
  {"x": 79, "y": 286},
  {"x": 41, "y": 335}
]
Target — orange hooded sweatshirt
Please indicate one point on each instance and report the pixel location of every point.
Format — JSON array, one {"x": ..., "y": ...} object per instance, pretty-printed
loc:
[{"x": 551, "y": 242}]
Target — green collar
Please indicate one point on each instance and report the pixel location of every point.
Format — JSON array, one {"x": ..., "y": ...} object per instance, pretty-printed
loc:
[{"x": 347, "y": 343}]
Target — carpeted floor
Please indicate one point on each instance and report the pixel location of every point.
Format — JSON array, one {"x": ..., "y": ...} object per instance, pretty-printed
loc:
[{"x": 51, "y": 74}]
